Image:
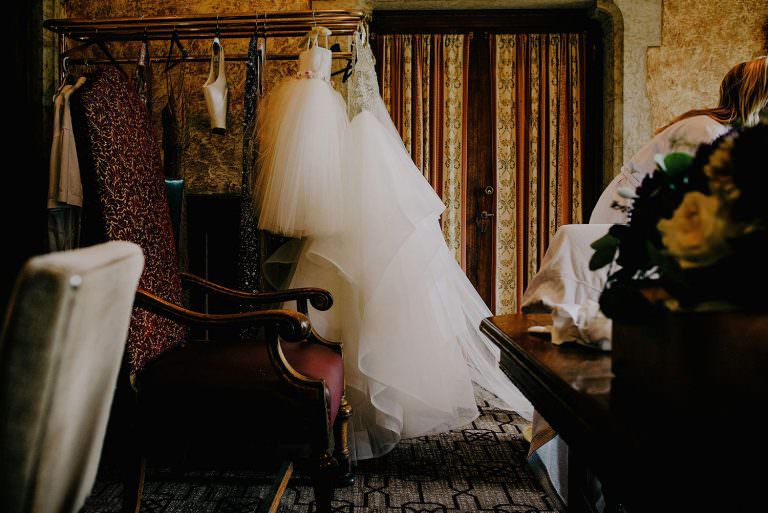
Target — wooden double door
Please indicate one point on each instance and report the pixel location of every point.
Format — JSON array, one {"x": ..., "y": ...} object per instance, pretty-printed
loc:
[{"x": 505, "y": 123}]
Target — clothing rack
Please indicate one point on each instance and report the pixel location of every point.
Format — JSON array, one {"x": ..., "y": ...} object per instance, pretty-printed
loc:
[
  {"x": 205, "y": 26},
  {"x": 198, "y": 58},
  {"x": 264, "y": 24}
]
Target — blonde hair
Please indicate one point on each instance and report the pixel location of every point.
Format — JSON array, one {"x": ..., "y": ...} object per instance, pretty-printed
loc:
[{"x": 743, "y": 94}]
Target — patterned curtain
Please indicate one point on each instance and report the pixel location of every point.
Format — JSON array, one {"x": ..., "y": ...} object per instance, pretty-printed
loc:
[
  {"x": 539, "y": 98},
  {"x": 423, "y": 82},
  {"x": 538, "y": 93}
]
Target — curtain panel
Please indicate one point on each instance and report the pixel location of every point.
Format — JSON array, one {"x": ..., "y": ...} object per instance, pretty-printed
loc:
[
  {"x": 537, "y": 125},
  {"x": 539, "y": 118}
]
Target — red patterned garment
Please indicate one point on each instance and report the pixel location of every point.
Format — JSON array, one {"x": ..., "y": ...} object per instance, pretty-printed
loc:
[{"x": 126, "y": 198}]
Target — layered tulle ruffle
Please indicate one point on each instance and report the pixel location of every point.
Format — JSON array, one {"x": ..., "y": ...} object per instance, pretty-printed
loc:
[
  {"x": 407, "y": 314},
  {"x": 300, "y": 130}
]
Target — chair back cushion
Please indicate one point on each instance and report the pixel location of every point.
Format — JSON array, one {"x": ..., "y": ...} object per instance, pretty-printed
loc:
[
  {"x": 60, "y": 353},
  {"x": 126, "y": 198}
]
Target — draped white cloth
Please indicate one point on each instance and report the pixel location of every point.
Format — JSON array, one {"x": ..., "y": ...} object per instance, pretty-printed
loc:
[{"x": 564, "y": 276}]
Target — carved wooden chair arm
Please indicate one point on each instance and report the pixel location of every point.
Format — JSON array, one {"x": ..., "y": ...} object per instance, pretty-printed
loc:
[
  {"x": 288, "y": 325},
  {"x": 320, "y": 299},
  {"x": 291, "y": 326}
]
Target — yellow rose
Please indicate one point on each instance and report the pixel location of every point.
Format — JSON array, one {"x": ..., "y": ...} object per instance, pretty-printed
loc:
[{"x": 696, "y": 234}]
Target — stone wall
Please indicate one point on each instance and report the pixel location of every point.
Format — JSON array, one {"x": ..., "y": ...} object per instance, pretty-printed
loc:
[
  {"x": 673, "y": 55},
  {"x": 700, "y": 41}
]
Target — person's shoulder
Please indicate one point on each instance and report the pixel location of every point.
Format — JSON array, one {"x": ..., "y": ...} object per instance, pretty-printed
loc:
[
  {"x": 700, "y": 123},
  {"x": 695, "y": 130}
]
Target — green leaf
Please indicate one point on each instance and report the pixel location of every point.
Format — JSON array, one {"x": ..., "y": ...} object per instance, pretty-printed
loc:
[
  {"x": 601, "y": 258},
  {"x": 605, "y": 249},
  {"x": 677, "y": 163},
  {"x": 606, "y": 241}
]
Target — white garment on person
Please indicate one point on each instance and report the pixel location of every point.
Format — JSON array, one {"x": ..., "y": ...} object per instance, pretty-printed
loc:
[
  {"x": 564, "y": 285},
  {"x": 64, "y": 185},
  {"x": 300, "y": 130},
  {"x": 406, "y": 312},
  {"x": 684, "y": 136}
]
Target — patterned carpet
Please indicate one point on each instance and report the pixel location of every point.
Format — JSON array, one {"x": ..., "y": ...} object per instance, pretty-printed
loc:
[{"x": 480, "y": 468}]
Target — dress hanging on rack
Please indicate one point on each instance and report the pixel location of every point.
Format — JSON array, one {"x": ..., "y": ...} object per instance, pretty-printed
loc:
[
  {"x": 65, "y": 189},
  {"x": 407, "y": 314},
  {"x": 300, "y": 130},
  {"x": 174, "y": 121},
  {"x": 215, "y": 89},
  {"x": 142, "y": 76},
  {"x": 174, "y": 140},
  {"x": 249, "y": 252}
]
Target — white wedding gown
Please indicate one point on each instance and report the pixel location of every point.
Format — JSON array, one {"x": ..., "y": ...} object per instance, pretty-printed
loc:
[
  {"x": 408, "y": 316},
  {"x": 300, "y": 130}
]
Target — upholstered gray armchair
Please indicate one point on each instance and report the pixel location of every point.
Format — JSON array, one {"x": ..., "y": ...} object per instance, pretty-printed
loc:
[{"x": 60, "y": 353}]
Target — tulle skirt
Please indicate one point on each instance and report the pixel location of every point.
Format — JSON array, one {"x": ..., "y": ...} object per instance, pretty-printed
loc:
[
  {"x": 300, "y": 132},
  {"x": 407, "y": 314}
]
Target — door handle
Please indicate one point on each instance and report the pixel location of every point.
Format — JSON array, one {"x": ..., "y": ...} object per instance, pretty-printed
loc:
[{"x": 483, "y": 216}]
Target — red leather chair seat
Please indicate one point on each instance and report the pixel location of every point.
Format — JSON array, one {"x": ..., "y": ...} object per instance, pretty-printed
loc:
[{"x": 243, "y": 367}]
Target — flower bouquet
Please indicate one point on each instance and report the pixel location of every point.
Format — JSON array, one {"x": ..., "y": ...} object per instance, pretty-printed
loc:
[
  {"x": 697, "y": 236},
  {"x": 688, "y": 283}
]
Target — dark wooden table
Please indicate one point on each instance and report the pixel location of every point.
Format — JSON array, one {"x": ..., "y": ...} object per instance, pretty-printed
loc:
[{"x": 647, "y": 455}]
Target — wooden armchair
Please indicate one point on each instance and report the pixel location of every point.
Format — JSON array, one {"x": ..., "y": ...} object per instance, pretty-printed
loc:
[
  {"x": 219, "y": 399},
  {"x": 293, "y": 374}
]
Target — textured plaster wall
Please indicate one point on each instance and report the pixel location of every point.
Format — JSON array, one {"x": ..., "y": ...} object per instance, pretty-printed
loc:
[
  {"x": 642, "y": 28},
  {"x": 700, "y": 41},
  {"x": 675, "y": 52}
]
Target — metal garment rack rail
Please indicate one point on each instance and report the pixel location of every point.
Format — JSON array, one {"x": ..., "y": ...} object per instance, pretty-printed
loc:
[{"x": 230, "y": 26}]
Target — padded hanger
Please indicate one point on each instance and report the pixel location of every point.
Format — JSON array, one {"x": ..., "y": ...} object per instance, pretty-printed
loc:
[{"x": 312, "y": 36}]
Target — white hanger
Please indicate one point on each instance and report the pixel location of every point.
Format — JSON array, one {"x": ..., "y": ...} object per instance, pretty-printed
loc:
[{"x": 317, "y": 30}]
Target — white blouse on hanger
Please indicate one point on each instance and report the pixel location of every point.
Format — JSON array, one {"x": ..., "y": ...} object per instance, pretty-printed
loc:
[{"x": 64, "y": 185}]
